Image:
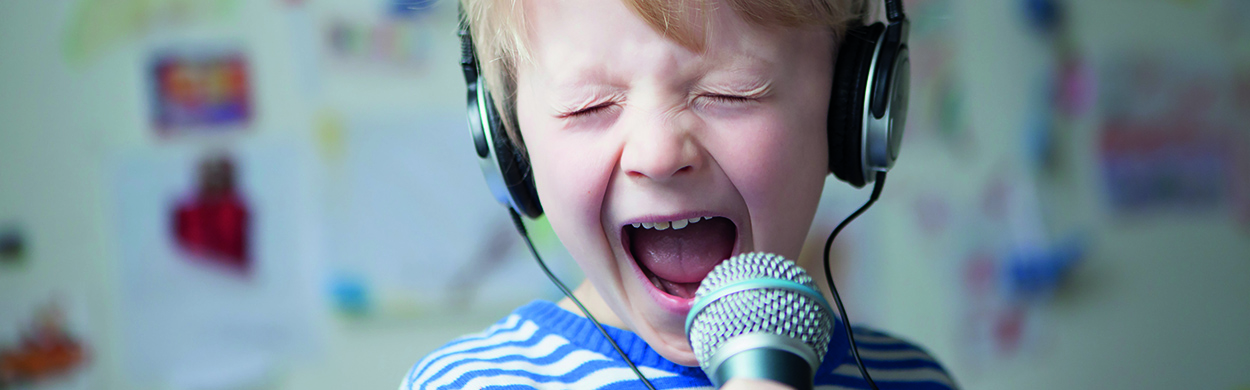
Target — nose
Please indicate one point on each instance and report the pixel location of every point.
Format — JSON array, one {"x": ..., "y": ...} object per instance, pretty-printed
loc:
[{"x": 662, "y": 149}]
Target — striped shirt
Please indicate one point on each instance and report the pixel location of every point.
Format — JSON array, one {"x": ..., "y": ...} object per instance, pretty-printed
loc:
[{"x": 541, "y": 345}]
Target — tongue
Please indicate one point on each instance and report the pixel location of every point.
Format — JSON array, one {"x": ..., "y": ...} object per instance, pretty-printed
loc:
[{"x": 683, "y": 256}]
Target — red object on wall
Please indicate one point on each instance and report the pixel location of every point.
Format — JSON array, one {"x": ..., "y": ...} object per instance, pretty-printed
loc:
[{"x": 214, "y": 223}]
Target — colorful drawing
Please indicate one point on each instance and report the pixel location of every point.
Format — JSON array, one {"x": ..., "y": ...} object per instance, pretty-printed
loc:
[
  {"x": 938, "y": 113},
  {"x": 391, "y": 43},
  {"x": 1013, "y": 260},
  {"x": 1172, "y": 135},
  {"x": 1003, "y": 292},
  {"x": 207, "y": 90},
  {"x": 1147, "y": 168},
  {"x": 212, "y": 223},
  {"x": 47, "y": 350}
]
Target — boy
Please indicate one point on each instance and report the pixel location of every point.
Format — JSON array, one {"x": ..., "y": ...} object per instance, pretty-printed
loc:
[{"x": 664, "y": 137}]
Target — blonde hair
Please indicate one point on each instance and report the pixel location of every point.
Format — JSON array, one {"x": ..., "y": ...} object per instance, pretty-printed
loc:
[{"x": 498, "y": 33}]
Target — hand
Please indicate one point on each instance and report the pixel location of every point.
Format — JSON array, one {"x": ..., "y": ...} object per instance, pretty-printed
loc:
[{"x": 753, "y": 384}]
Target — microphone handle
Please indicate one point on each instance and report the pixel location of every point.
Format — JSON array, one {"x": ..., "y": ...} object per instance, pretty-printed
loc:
[{"x": 766, "y": 363}]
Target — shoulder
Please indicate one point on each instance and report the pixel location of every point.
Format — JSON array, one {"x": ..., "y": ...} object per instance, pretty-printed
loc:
[
  {"x": 524, "y": 350},
  {"x": 893, "y": 363},
  {"x": 511, "y": 335}
]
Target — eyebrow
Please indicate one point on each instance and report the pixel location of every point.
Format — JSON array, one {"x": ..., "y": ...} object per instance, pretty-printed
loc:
[
  {"x": 747, "y": 75},
  {"x": 746, "y": 83}
]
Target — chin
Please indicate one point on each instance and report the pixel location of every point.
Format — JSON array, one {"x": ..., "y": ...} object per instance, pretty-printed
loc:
[
  {"x": 661, "y": 326},
  {"x": 679, "y": 353}
]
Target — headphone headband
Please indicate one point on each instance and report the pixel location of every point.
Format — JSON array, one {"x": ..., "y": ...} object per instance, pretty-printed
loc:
[{"x": 867, "y": 112}]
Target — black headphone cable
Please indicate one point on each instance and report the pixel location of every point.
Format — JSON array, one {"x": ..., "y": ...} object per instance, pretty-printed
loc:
[
  {"x": 876, "y": 193},
  {"x": 520, "y": 227}
]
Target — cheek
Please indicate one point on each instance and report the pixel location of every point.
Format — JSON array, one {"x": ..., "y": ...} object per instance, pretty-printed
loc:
[
  {"x": 770, "y": 151},
  {"x": 571, "y": 179},
  {"x": 778, "y": 165}
]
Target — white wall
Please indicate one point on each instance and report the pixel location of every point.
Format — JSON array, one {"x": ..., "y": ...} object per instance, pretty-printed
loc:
[{"x": 1158, "y": 303}]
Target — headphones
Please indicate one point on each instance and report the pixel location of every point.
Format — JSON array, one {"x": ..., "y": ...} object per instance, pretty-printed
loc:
[{"x": 867, "y": 112}]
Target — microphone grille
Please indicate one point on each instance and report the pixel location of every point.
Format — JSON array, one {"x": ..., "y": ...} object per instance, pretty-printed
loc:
[{"x": 773, "y": 310}]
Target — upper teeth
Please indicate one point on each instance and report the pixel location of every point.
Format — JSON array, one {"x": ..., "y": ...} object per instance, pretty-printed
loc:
[{"x": 678, "y": 224}]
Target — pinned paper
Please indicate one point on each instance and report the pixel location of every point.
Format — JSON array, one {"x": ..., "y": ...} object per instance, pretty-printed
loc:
[
  {"x": 200, "y": 89},
  {"x": 219, "y": 265}
]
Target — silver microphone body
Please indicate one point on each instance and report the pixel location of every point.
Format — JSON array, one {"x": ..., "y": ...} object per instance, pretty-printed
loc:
[{"x": 759, "y": 316}]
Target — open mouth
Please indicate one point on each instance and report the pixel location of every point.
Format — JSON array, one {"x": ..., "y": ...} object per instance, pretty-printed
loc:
[{"x": 676, "y": 255}]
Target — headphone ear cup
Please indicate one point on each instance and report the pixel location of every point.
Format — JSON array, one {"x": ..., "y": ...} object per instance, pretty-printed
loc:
[
  {"x": 519, "y": 178},
  {"x": 846, "y": 103},
  {"x": 507, "y": 170}
]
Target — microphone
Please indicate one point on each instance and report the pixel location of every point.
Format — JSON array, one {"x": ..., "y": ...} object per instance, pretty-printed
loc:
[{"x": 759, "y": 316}]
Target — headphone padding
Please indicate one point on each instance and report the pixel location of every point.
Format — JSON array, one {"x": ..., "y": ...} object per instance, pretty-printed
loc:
[
  {"x": 846, "y": 103},
  {"x": 519, "y": 178},
  {"x": 514, "y": 166}
]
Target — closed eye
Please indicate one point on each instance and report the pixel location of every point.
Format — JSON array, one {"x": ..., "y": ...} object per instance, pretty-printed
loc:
[
  {"x": 718, "y": 98},
  {"x": 597, "y": 109},
  {"x": 598, "y": 116}
]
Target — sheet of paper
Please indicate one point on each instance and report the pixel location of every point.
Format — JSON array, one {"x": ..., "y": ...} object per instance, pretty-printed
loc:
[{"x": 200, "y": 312}]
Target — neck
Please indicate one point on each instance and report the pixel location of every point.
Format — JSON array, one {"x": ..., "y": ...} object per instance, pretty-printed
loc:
[{"x": 594, "y": 303}]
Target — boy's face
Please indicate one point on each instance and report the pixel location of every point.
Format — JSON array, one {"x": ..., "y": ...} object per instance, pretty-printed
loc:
[{"x": 625, "y": 126}]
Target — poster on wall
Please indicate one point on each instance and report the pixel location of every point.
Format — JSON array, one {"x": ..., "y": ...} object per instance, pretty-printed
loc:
[
  {"x": 1008, "y": 265},
  {"x": 399, "y": 40},
  {"x": 937, "y": 117},
  {"x": 200, "y": 89},
  {"x": 218, "y": 262},
  {"x": 1174, "y": 138},
  {"x": 414, "y": 228}
]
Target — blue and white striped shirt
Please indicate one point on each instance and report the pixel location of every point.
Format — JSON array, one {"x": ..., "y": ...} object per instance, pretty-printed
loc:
[{"x": 541, "y": 345}]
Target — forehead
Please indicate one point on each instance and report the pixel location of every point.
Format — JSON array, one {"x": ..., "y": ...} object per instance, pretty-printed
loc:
[{"x": 598, "y": 37}]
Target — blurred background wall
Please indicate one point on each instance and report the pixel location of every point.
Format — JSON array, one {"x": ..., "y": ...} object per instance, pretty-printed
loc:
[{"x": 279, "y": 194}]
